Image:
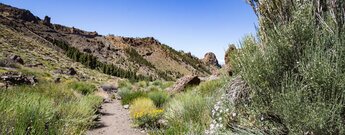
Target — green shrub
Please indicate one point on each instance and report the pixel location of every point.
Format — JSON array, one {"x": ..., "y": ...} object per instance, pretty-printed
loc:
[
  {"x": 166, "y": 85},
  {"x": 158, "y": 97},
  {"x": 124, "y": 83},
  {"x": 83, "y": 87},
  {"x": 157, "y": 83},
  {"x": 187, "y": 113},
  {"x": 127, "y": 96},
  {"x": 142, "y": 84},
  {"x": 144, "y": 112},
  {"x": 45, "y": 109},
  {"x": 295, "y": 68},
  {"x": 153, "y": 88},
  {"x": 124, "y": 91},
  {"x": 211, "y": 87}
]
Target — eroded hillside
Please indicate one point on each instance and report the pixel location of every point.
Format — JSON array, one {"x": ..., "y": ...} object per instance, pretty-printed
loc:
[{"x": 133, "y": 58}]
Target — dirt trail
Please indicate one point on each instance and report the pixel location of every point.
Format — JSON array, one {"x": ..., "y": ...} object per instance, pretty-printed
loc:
[{"x": 114, "y": 121}]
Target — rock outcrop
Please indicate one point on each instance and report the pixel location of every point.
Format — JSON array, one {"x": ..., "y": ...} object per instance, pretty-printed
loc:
[
  {"x": 18, "y": 14},
  {"x": 144, "y": 58},
  {"x": 183, "y": 82},
  {"x": 71, "y": 71},
  {"x": 211, "y": 59},
  {"x": 16, "y": 59},
  {"x": 237, "y": 91},
  {"x": 15, "y": 78},
  {"x": 46, "y": 21},
  {"x": 228, "y": 67},
  {"x": 109, "y": 88}
]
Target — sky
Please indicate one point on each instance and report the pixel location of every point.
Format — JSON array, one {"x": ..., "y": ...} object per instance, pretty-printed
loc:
[{"x": 196, "y": 26}]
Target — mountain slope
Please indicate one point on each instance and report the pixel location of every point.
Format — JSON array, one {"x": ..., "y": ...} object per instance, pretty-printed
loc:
[{"x": 133, "y": 58}]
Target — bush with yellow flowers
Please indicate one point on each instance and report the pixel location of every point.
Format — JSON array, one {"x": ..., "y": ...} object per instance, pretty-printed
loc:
[{"x": 144, "y": 112}]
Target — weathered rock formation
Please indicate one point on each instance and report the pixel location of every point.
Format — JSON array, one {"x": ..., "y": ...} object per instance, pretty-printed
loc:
[
  {"x": 109, "y": 88},
  {"x": 15, "y": 78},
  {"x": 237, "y": 91},
  {"x": 231, "y": 50},
  {"x": 183, "y": 82},
  {"x": 46, "y": 21},
  {"x": 18, "y": 14},
  {"x": 16, "y": 59},
  {"x": 143, "y": 58},
  {"x": 211, "y": 59}
]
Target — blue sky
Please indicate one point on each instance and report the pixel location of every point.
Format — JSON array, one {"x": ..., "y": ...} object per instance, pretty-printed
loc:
[{"x": 196, "y": 26}]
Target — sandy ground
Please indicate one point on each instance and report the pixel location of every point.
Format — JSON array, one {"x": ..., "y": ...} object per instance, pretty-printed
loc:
[{"x": 114, "y": 121}]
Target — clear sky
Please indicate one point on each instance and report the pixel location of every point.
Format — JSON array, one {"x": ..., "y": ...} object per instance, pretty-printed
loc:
[{"x": 196, "y": 26}]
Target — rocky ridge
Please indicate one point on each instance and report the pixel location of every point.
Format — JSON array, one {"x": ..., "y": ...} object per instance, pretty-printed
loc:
[{"x": 140, "y": 56}]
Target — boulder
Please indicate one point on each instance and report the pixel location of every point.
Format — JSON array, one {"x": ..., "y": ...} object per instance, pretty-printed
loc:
[
  {"x": 87, "y": 50},
  {"x": 57, "y": 80},
  {"x": 71, "y": 71},
  {"x": 15, "y": 78},
  {"x": 109, "y": 88},
  {"x": 237, "y": 91},
  {"x": 211, "y": 59},
  {"x": 183, "y": 82},
  {"x": 58, "y": 71},
  {"x": 17, "y": 59}
]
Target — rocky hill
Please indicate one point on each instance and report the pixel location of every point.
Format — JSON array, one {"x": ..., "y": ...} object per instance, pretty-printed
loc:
[{"x": 125, "y": 57}]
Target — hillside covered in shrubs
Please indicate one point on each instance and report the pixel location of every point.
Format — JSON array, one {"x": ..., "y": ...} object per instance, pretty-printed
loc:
[{"x": 288, "y": 78}]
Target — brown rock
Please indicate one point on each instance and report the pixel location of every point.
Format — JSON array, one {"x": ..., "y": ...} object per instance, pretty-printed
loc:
[
  {"x": 15, "y": 78},
  {"x": 183, "y": 82},
  {"x": 16, "y": 13},
  {"x": 211, "y": 59},
  {"x": 71, "y": 71},
  {"x": 17, "y": 59},
  {"x": 57, "y": 80},
  {"x": 46, "y": 21}
]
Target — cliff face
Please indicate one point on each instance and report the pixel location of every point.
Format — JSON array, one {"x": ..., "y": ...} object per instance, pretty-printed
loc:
[{"x": 139, "y": 56}]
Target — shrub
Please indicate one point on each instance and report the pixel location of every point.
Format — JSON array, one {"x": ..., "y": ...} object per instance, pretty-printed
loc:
[
  {"x": 144, "y": 112},
  {"x": 83, "y": 87},
  {"x": 142, "y": 84},
  {"x": 45, "y": 109},
  {"x": 166, "y": 85},
  {"x": 158, "y": 97},
  {"x": 295, "y": 67},
  {"x": 157, "y": 83},
  {"x": 210, "y": 87},
  {"x": 127, "y": 96},
  {"x": 124, "y": 83},
  {"x": 186, "y": 113}
]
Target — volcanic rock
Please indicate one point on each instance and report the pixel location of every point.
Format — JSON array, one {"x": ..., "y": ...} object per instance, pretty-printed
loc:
[
  {"x": 237, "y": 91},
  {"x": 15, "y": 78},
  {"x": 183, "y": 82},
  {"x": 71, "y": 71},
  {"x": 211, "y": 59},
  {"x": 17, "y": 59},
  {"x": 46, "y": 21},
  {"x": 109, "y": 88}
]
